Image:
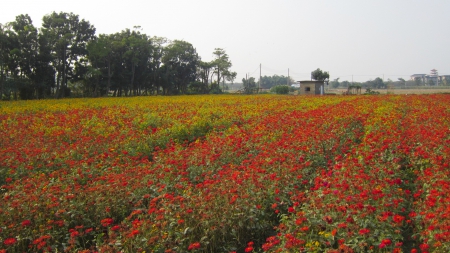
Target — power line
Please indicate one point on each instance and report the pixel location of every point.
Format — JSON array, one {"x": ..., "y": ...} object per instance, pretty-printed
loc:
[{"x": 267, "y": 71}]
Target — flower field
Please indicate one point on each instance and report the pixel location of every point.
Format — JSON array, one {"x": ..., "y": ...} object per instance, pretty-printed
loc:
[{"x": 226, "y": 174}]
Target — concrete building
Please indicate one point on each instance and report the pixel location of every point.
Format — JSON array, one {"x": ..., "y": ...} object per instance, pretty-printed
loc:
[{"x": 311, "y": 87}]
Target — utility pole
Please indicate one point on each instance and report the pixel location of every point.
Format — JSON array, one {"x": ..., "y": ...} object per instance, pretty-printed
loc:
[
  {"x": 259, "y": 88},
  {"x": 288, "y": 78}
]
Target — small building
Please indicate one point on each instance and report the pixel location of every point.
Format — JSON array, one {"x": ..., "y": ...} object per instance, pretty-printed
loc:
[{"x": 311, "y": 87}]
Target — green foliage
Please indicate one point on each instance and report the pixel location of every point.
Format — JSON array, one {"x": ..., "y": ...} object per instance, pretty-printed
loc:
[
  {"x": 215, "y": 89},
  {"x": 378, "y": 83},
  {"x": 268, "y": 82},
  {"x": 371, "y": 92},
  {"x": 335, "y": 83},
  {"x": 195, "y": 87},
  {"x": 280, "y": 89},
  {"x": 320, "y": 75},
  {"x": 65, "y": 53},
  {"x": 249, "y": 85},
  {"x": 67, "y": 37}
]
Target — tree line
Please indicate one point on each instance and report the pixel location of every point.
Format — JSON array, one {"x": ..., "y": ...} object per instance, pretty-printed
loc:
[
  {"x": 65, "y": 57},
  {"x": 379, "y": 83}
]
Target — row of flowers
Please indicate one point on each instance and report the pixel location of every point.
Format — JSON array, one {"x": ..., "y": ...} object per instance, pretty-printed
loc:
[{"x": 224, "y": 174}]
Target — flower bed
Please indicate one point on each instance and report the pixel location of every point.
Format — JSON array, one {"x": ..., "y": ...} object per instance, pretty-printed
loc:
[{"x": 225, "y": 174}]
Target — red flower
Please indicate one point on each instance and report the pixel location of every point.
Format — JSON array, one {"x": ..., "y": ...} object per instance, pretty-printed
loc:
[
  {"x": 9, "y": 241},
  {"x": 106, "y": 222},
  {"x": 364, "y": 231},
  {"x": 328, "y": 219},
  {"x": 249, "y": 249},
  {"x": 74, "y": 233},
  {"x": 133, "y": 233},
  {"x": 342, "y": 225},
  {"x": 424, "y": 246},
  {"x": 195, "y": 245},
  {"x": 26, "y": 223},
  {"x": 386, "y": 241},
  {"x": 115, "y": 228},
  {"x": 398, "y": 218}
]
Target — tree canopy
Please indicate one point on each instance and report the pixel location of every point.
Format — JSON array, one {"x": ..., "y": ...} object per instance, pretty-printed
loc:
[
  {"x": 268, "y": 82},
  {"x": 320, "y": 75},
  {"x": 66, "y": 57}
]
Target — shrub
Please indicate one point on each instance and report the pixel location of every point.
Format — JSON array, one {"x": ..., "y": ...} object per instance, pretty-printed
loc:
[{"x": 280, "y": 89}]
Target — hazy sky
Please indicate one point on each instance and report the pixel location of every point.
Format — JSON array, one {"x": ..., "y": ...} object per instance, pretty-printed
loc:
[{"x": 360, "y": 38}]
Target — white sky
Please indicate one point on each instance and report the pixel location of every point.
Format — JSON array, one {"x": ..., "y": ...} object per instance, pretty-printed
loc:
[{"x": 363, "y": 38}]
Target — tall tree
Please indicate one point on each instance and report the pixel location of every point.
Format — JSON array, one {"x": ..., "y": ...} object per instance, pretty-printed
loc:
[
  {"x": 156, "y": 62},
  {"x": 68, "y": 37},
  {"x": 25, "y": 52},
  {"x": 229, "y": 76},
  {"x": 182, "y": 60},
  {"x": 44, "y": 78},
  {"x": 249, "y": 85},
  {"x": 100, "y": 55},
  {"x": 203, "y": 73},
  {"x": 4, "y": 56},
  {"x": 221, "y": 64}
]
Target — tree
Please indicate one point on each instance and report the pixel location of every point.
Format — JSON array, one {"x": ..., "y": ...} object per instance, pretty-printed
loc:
[
  {"x": 203, "y": 73},
  {"x": 335, "y": 83},
  {"x": 402, "y": 81},
  {"x": 229, "y": 76},
  {"x": 137, "y": 50},
  {"x": 345, "y": 84},
  {"x": 280, "y": 89},
  {"x": 376, "y": 84},
  {"x": 182, "y": 60},
  {"x": 418, "y": 81},
  {"x": 268, "y": 82},
  {"x": 25, "y": 54},
  {"x": 221, "y": 64},
  {"x": 320, "y": 75},
  {"x": 68, "y": 37},
  {"x": 100, "y": 51},
  {"x": 156, "y": 62},
  {"x": 249, "y": 85},
  {"x": 5, "y": 48}
]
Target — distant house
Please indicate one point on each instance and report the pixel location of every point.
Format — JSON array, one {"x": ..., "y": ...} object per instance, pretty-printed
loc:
[
  {"x": 434, "y": 77},
  {"x": 311, "y": 87},
  {"x": 420, "y": 77}
]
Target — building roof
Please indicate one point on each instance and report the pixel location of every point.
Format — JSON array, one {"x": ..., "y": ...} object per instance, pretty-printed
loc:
[{"x": 311, "y": 81}]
